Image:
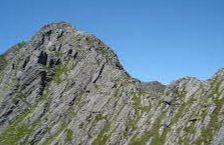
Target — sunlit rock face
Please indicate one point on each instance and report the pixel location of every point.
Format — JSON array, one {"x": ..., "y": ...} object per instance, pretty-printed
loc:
[{"x": 66, "y": 87}]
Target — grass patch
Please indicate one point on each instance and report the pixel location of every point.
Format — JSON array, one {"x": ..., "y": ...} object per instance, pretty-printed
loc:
[
  {"x": 53, "y": 136},
  {"x": 100, "y": 117},
  {"x": 59, "y": 70},
  {"x": 69, "y": 134},
  {"x": 16, "y": 130},
  {"x": 140, "y": 140},
  {"x": 3, "y": 62},
  {"x": 136, "y": 102},
  {"x": 208, "y": 133},
  {"x": 189, "y": 129},
  {"x": 104, "y": 51},
  {"x": 154, "y": 132},
  {"x": 103, "y": 135},
  {"x": 21, "y": 44}
]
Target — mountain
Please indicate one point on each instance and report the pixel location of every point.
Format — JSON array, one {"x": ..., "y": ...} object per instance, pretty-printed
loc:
[{"x": 66, "y": 87}]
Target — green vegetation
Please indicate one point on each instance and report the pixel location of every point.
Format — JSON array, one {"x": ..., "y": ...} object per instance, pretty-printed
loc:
[
  {"x": 139, "y": 109},
  {"x": 154, "y": 132},
  {"x": 208, "y": 132},
  {"x": 100, "y": 117},
  {"x": 3, "y": 62},
  {"x": 59, "y": 54},
  {"x": 189, "y": 129},
  {"x": 90, "y": 40},
  {"x": 101, "y": 48},
  {"x": 137, "y": 104},
  {"x": 179, "y": 113},
  {"x": 59, "y": 70},
  {"x": 21, "y": 44},
  {"x": 104, "y": 51},
  {"x": 158, "y": 139},
  {"x": 103, "y": 135},
  {"x": 140, "y": 140},
  {"x": 69, "y": 134},
  {"x": 53, "y": 136},
  {"x": 15, "y": 131}
]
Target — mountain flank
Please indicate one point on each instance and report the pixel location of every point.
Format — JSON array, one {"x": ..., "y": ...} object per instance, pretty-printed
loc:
[{"x": 66, "y": 87}]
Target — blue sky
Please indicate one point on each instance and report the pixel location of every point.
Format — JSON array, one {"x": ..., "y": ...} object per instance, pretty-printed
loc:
[{"x": 154, "y": 39}]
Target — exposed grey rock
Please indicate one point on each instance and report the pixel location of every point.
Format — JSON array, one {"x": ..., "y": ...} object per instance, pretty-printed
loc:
[{"x": 67, "y": 87}]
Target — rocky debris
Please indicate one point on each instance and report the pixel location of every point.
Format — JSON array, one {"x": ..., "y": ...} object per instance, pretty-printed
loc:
[{"x": 67, "y": 87}]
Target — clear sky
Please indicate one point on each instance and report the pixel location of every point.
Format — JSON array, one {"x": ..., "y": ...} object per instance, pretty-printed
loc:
[{"x": 154, "y": 39}]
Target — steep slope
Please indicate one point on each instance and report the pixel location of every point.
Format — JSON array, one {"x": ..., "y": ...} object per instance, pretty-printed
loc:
[{"x": 67, "y": 87}]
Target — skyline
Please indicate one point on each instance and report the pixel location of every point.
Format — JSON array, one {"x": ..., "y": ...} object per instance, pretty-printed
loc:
[{"x": 155, "y": 40}]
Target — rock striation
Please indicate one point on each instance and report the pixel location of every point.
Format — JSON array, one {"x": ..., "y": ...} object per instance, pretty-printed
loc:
[{"x": 66, "y": 87}]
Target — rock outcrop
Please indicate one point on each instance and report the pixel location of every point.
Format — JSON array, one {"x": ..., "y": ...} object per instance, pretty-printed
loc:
[{"x": 66, "y": 87}]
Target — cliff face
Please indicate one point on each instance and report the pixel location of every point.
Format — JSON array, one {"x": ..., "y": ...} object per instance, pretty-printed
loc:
[{"x": 66, "y": 87}]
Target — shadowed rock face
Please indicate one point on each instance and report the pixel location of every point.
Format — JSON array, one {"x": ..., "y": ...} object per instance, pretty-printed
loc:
[{"x": 66, "y": 87}]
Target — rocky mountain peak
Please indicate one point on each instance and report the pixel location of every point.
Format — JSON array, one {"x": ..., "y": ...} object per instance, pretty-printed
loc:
[
  {"x": 57, "y": 25},
  {"x": 219, "y": 73},
  {"x": 67, "y": 87},
  {"x": 61, "y": 39}
]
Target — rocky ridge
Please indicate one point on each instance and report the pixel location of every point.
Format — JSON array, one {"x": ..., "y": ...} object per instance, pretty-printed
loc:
[{"x": 66, "y": 87}]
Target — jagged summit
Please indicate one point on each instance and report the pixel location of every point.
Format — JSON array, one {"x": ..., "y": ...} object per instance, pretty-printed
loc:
[
  {"x": 68, "y": 87},
  {"x": 219, "y": 73},
  {"x": 57, "y": 25}
]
